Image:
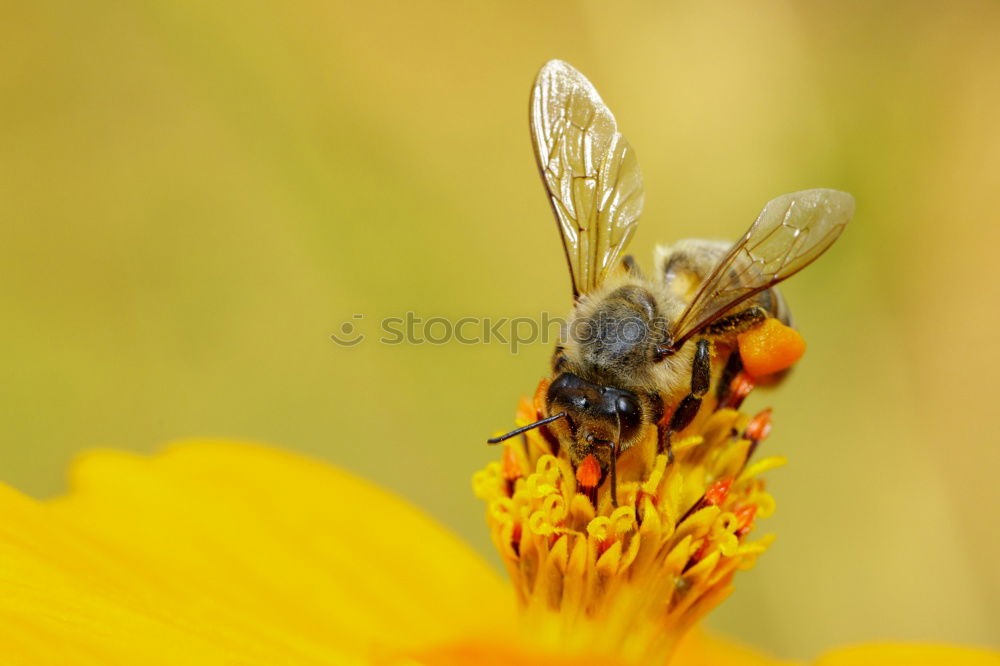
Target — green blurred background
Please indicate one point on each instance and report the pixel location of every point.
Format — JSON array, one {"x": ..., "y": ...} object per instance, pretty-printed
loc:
[{"x": 196, "y": 195}]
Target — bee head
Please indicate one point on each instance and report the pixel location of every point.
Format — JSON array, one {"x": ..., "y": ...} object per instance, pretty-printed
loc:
[{"x": 595, "y": 414}]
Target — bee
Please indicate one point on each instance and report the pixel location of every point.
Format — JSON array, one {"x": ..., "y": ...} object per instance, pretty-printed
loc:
[{"x": 638, "y": 349}]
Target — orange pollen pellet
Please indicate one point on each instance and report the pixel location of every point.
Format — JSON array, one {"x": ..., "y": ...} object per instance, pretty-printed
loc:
[
  {"x": 717, "y": 492},
  {"x": 760, "y": 426},
  {"x": 770, "y": 348},
  {"x": 588, "y": 474}
]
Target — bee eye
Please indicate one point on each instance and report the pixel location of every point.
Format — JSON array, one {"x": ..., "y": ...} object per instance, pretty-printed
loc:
[
  {"x": 626, "y": 405},
  {"x": 629, "y": 415}
]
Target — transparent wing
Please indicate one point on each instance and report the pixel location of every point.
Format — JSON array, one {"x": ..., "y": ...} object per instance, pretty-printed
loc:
[
  {"x": 789, "y": 234},
  {"x": 590, "y": 170}
]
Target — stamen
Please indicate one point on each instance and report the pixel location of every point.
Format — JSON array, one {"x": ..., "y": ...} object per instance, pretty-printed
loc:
[
  {"x": 739, "y": 389},
  {"x": 717, "y": 492},
  {"x": 757, "y": 430},
  {"x": 744, "y": 519},
  {"x": 760, "y": 426}
]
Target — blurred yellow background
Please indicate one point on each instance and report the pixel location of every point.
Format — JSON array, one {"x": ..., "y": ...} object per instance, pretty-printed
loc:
[{"x": 196, "y": 195}]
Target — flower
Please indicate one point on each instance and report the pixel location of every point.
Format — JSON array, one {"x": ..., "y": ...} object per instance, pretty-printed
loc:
[
  {"x": 218, "y": 552},
  {"x": 624, "y": 577}
]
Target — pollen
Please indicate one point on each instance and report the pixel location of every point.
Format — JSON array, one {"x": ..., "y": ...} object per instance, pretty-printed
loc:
[
  {"x": 770, "y": 348},
  {"x": 627, "y": 581},
  {"x": 588, "y": 474}
]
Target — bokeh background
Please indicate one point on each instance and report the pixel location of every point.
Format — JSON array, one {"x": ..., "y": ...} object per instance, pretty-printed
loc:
[{"x": 196, "y": 195}]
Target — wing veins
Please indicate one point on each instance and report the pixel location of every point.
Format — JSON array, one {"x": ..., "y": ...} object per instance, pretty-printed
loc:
[
  {"x": 590, "y": 171},
  {"x": 765, "y": 256}
]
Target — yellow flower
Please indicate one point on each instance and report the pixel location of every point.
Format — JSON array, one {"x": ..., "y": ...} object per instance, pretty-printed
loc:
[
  {"x": 217, "y": 552},
  {"x": 624, "y": 577}
]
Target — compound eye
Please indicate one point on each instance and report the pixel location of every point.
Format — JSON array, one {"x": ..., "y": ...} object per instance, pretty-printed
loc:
[
  {"x": 629, "y": 415},
  {"x": 626, "y": 405}
]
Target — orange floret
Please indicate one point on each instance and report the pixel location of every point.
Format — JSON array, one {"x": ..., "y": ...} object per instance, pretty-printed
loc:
[
  {"x": 744, "y": 517},
  {"x": 770, "y": 348},
  {"x": 716, "y": 493},
  {"x": 760, "y": 426}
]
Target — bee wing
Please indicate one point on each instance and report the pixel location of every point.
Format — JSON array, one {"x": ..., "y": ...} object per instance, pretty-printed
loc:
[
  {"x": 789, "y": 234},
  {"x": 589, "y": 169}
]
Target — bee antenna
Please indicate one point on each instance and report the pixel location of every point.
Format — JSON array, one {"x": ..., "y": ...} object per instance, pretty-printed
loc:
[{"x": 530, "y": 426}]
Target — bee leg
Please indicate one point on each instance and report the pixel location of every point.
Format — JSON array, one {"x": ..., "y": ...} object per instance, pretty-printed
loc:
[
  {"x": 732, "y": 368},
  {"x": 701, "y": 376},
  {"x": 664, "y": 444},
  {"x": 739, "y": 322},
  {"x": 613, "y": 464},
  {"x": 614, "y": 475},
  {"x": 632, "y": 268}
]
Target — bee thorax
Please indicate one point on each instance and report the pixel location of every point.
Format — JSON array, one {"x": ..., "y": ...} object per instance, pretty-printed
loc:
[{"x": 612, "y": 337}]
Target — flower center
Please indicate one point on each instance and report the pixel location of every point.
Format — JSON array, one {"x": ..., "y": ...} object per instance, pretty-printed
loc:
[{"x": 627, "y": 581}]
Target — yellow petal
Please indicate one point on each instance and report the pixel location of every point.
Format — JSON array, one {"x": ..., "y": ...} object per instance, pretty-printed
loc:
[
  {"x": 909, "y": 655},
  {"x": 701, "y": 649},
  {"x": 697, "y": 649},
  {"x": 219, "y": 551}
]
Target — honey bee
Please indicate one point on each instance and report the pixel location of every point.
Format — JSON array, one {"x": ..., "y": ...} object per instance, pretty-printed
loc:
[{"x": 639, "y": 348}]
